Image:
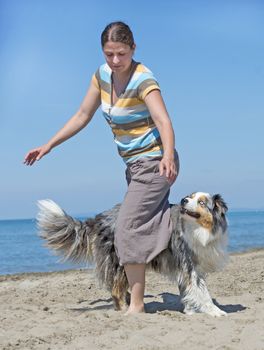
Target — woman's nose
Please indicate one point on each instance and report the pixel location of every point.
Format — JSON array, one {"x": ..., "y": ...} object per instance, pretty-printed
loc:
[{"x": 115, "y": 60}]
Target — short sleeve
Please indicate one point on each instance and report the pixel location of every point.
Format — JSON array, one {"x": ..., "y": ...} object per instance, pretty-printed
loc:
[
  {"x": 147, "y": 85},
  {"x": 95, "y": 80}
]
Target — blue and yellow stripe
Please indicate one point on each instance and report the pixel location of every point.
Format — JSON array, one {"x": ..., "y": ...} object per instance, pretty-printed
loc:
[{"x": 135, "y": 133}]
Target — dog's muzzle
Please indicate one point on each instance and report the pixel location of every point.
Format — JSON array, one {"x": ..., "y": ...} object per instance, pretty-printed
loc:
[
  {"x": 183, "y": 210},
  {"x": 193, "y": 214}
]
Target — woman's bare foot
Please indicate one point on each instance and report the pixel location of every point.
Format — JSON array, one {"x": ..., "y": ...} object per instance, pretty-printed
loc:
[{"x": 135, "y": 310}]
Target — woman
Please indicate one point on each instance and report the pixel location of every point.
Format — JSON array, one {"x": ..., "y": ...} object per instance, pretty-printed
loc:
[{"x": 133, "y": 107}]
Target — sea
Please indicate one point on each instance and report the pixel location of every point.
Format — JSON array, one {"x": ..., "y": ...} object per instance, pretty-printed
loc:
[{"x": 22, "y": 250}]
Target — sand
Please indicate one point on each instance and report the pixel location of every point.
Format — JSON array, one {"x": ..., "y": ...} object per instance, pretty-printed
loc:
[{"x": 69, "y": 310}]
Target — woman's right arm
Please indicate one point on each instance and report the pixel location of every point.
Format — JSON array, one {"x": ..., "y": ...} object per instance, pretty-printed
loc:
[{"x": 77, "y": 122}]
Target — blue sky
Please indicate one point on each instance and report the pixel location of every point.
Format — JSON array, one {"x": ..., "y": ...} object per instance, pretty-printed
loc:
[{"x": 208, "y": 57}]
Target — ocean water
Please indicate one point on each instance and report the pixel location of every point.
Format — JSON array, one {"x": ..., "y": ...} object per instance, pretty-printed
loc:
[{"x": 21, "y": 250}]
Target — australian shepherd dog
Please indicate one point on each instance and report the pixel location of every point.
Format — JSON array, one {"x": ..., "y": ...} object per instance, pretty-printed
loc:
[{"x": 196, "y": 248}]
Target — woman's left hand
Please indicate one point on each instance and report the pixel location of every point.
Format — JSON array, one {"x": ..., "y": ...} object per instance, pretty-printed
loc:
[{"x": 167, "y": 166}]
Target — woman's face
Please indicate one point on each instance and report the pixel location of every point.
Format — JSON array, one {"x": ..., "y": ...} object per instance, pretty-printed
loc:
[{"x": 118, "y": 56}]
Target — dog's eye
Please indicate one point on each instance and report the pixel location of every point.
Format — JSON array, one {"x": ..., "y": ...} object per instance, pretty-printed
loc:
[{"x": 201, "y": 203}]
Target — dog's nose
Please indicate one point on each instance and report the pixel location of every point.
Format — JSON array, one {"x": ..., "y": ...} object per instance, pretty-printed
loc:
[{"x": 184, "y": 201}]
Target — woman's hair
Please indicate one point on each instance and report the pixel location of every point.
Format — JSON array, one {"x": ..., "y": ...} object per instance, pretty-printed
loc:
[{"x": 117, "y": 32}]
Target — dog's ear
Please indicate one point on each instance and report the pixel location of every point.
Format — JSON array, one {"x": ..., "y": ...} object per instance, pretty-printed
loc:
[{"x": 218, "y": 204}]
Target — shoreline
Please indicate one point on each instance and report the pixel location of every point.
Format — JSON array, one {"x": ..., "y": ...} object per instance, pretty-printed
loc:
[
  {"x": 43, "y": 273},
  {"x": 70, "y": 310}
]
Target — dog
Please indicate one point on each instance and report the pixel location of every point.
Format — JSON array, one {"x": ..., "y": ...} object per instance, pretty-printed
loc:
[{"x": 197, "y": 247}]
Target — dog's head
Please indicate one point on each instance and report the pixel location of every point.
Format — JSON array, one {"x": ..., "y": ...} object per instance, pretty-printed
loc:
[{"x": 206, "y": 215}]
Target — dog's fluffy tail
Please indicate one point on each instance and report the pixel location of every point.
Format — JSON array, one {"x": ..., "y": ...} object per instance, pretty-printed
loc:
[{"x": 68, "y": 237}]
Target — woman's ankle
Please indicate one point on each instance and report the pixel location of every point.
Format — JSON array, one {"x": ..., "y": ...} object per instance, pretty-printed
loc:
[{"x": 135, "y": 308}]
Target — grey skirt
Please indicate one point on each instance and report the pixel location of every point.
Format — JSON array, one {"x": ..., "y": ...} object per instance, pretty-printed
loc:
[{"x": 143, "y": 227}]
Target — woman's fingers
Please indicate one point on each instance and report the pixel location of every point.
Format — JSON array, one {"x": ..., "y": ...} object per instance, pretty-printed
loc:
[
  {"x": 169, "y": 167},
  {"x": 36, "y": 154},
  {"x": 31, "y": 157},
  {"x": 28, "y": 158}
]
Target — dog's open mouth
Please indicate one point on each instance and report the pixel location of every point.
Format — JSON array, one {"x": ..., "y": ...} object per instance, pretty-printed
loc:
[{"x": 190, "y": 213}]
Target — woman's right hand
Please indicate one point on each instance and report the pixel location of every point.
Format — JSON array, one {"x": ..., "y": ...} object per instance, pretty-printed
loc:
[
  {"x": 36, "y": 154},
  {"x": 80, "y": 119}
]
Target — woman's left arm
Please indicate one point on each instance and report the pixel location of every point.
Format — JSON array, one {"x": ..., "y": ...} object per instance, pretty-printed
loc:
[{"x": 159, "y": 114}]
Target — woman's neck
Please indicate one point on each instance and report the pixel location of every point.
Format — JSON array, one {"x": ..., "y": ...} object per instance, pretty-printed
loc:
[
  {"x": 120, "y": 82},
  {"x": 122, "y": 77}
]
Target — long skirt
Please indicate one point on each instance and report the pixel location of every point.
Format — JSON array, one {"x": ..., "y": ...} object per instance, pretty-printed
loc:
[{"x": 143, "y": 227}]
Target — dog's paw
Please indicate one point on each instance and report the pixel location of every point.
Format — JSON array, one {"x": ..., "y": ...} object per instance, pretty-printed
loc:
[
  {"x": 214, "y": 311},
  {"x": 211, "y": 310},
  {"x": 188, "y": 311}
]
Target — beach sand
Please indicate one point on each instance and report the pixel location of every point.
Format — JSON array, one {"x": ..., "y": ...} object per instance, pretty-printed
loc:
[{"x": 69, "y": 310}]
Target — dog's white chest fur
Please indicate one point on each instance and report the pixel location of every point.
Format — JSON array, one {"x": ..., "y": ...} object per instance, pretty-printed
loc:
[
  {"x": 195, "y": 234},
  {"x": 209, "y": 248}
]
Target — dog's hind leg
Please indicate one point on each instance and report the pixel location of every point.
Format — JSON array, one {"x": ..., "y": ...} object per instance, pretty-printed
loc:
[{"x": 119, "y": 290}]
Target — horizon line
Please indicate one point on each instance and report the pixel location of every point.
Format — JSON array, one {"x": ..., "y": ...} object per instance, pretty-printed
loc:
[{"x": 91, "y": 214}]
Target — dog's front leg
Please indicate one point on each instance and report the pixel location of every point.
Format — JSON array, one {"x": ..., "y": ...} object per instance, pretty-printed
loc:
[
  {"x": 193, "y": 290},
  {"x": 195, "y": 295}
]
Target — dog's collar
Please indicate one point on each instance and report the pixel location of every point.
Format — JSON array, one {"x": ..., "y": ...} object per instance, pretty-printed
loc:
[{"x": 190, "y": 213}]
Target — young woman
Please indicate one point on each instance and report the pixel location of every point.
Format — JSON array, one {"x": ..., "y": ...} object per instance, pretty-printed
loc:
[{"x": 134, "y": 109}]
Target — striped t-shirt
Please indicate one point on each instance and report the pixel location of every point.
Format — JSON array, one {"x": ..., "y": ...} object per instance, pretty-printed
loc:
[{"x": 134, "y": 131}]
